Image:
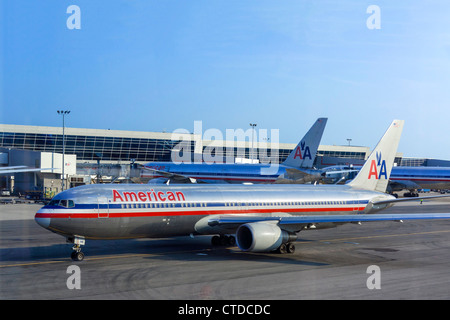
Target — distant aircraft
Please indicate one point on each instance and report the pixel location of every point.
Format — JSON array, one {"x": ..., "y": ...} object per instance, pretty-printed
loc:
[
  {"x": 296, "y": 166},
  {"x": 264, "y": 217},
  {"x": 415, "y": 178},
  {"x": 402, "y": 177}
]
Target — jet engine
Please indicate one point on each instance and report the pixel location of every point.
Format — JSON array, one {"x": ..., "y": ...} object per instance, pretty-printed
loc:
[{"x": 262, "y": 237}]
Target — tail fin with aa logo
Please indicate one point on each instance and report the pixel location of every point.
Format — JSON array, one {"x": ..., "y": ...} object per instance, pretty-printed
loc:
[
  {"x": 375, "y": 173},
  {"x": 304, "y": 153}
]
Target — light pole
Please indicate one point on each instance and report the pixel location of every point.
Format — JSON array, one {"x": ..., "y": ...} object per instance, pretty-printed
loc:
[
  {"x": 63, "y": 113},
  {"x": 253, "y": 125}
]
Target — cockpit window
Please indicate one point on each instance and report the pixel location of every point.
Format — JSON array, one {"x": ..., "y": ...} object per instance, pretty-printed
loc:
[{"x": 62, "y": 203}]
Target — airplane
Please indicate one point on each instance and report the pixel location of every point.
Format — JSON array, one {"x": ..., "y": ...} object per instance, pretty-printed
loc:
[
  {"x": 414, "y": 178},
  {"x": 296, "y": 166},
  {"x": 402, "y": 177},
  {"x": 258, "y": 218}
]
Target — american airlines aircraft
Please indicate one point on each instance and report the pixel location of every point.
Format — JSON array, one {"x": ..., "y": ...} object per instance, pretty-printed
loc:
[
  {"x": 296, "y": 166},
  {"x": 263, "y": 217},
  {"x": 402, "y": 177},
  {"x": 414, "y": 178}
]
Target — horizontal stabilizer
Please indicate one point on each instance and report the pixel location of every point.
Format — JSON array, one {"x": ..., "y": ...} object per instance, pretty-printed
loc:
[{"x": 410, "y": 199}]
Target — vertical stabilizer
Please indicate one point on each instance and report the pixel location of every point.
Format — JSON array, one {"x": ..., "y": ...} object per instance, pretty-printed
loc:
[
  {"x": 376, "y": 171},
  {"x": 304, "y": 153}
]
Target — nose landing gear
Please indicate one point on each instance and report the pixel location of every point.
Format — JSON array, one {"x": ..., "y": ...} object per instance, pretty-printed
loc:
[{"x": 77, "y": 255}]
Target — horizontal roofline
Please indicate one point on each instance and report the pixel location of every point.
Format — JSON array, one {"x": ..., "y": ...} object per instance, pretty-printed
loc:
[{"x": 160, "y": 135}]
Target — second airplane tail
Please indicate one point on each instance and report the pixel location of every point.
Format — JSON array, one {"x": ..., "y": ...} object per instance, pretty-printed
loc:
[
  {"x": 304, "y": 153},
  {"x": 375, "y": 173}
]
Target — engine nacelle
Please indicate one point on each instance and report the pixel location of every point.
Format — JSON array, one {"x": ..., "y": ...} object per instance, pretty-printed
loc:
[{"x": 261, "y": 237}]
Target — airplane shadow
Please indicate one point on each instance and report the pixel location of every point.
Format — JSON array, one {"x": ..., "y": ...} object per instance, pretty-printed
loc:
[
  {"x": 180, "y": 248},
  {"x": 24, "y": 242},
  {"x": 200, "y": 249}
]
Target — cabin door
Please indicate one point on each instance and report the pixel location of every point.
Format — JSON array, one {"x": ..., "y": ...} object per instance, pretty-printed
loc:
[{"x": 103, "y": 207}]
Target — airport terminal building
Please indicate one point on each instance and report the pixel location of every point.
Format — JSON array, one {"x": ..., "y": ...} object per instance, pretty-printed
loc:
[
  {"x": 100, "y": 152},
  {"x": 116, "y": 146}
]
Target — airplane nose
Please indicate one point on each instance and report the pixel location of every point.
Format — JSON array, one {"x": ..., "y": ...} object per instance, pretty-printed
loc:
[{"x": 42, "y": 220}]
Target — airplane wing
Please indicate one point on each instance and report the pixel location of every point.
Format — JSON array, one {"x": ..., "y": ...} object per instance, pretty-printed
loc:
[
  {"x": 179, "y": 178},
  {"x": 403, "y": 184},
  {"x": 296, "y": 223},
  {"x": 15, "y": 169},
  {"x": 296, "y": 176},
  {"x": 331, "y": 173},
  {"x": 293, "y": 221}
]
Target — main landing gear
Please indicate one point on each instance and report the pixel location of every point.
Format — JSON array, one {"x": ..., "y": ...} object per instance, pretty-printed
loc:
[
  {"x": 223, "y": 240},
  {"x": 286, "y": 248},
  {"x": 411, "y": 194},
  {"x": 77, "y": 255},
  {"x": 230, "y": 241}
]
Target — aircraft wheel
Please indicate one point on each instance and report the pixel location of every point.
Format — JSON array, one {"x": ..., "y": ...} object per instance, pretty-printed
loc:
[
  {"x": 215, "y": 241},
  {"x": 282, "y": 249},
  {"x": 290, "y": 247},
  {"x": 77, "y": 256},
  {"x": 223, "y": 241},
  {"x": 231, "y": 241}
]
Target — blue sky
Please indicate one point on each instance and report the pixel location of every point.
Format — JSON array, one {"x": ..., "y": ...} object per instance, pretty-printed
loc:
[{"x": 150, "y": 65}]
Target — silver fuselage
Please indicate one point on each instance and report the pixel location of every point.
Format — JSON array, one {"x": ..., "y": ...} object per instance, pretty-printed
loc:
[{"x": 148, "y": 211}]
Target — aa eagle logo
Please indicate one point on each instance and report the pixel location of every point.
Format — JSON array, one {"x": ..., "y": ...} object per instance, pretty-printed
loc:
[
  {"x": 378, "y": 168},
  {"x": 302, "y": 151}
]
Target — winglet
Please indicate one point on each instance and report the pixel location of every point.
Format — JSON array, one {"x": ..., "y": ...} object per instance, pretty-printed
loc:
[
  {"x": 375, "y": 173},
  {"x": 304, "y": 153}
]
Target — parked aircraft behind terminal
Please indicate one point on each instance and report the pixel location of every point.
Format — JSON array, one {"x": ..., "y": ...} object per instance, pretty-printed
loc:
[
  {"x": 263, "y": 217},
  {"x": 297, "y": 166}
]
